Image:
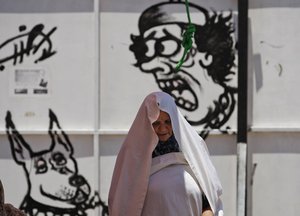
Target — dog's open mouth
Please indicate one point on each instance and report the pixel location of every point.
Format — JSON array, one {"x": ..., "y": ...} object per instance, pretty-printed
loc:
[{"x": 72, "y": 195}]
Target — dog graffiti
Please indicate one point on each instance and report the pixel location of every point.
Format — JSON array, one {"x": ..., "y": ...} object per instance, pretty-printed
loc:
[
  {"x": 55, "y": 186},
  {"x": 203, "y": 87},
  {"x": 27, "y": 43}
]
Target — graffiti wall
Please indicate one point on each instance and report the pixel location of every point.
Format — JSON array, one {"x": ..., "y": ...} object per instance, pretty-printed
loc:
[
  {"x": 275, "y": 118},
  {"x": 273, "y": 51},
  {"x": 50, "y": 60},
  {"x": 73, "y": 74},
  {"x": 42, "y": 58},
  {"x": 47, "y": 79}
]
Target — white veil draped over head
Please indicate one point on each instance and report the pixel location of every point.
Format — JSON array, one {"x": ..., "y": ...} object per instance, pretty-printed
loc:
[{"x": 132, "y": 169}]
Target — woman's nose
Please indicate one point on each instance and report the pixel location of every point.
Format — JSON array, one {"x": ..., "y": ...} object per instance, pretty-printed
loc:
[{"x": 163, "y": 128}]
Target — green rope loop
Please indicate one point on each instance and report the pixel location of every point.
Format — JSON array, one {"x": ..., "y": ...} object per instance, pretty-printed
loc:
[{"x": 187, "y": 41}]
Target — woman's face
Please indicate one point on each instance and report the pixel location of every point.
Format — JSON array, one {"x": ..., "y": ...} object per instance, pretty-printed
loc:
[{"x": 163, "y": 127}]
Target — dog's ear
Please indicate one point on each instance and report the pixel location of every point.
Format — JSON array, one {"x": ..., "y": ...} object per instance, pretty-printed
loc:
[
  {"x": 58, "y": 136},
  {"x": 21, "y": 151}
]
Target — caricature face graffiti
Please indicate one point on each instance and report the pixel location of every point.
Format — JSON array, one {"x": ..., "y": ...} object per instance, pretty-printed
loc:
[{"x": 201, "y": 87}]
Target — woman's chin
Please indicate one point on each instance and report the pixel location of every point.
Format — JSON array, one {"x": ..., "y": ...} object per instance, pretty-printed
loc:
[{"x": 163, "y": 138}]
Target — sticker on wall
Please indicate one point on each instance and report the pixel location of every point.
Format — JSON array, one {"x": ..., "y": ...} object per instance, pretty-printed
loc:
[{"x": 30, "y": 82}]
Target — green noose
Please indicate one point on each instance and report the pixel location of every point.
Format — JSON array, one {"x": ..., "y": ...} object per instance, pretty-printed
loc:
[{"x": 187, "y": 41}]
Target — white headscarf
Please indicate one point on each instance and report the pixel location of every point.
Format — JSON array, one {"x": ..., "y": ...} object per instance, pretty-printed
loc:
[{"x": 132, "y": 169}]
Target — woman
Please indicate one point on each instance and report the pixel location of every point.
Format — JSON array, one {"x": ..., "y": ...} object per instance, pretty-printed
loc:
[
  {"x": 7, "y": 209},
  {"x": 163, "y": 167}
]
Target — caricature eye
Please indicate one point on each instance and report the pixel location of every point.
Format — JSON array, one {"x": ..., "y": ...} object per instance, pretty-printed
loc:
[
  {"x": 41, "y": 166},
  {"x": 168, "y": 48},
  {"x": 59, "y": 159},
  {"x": 150, "y": 45}
]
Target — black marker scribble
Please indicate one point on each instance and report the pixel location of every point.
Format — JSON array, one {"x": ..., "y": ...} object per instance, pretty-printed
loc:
[
  {"x": 279, "y": 69},
  {"x": 271, "y": 45},
  {"x": 28, "y": 43}
]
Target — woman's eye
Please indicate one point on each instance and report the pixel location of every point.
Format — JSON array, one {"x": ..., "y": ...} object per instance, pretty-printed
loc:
[
  {"x": 155, "y": 123},
  {"x": 168, "y": 122}
]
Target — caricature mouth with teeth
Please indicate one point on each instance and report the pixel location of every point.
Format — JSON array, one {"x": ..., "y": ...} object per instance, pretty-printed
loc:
[{"x": 181, "y": 91}]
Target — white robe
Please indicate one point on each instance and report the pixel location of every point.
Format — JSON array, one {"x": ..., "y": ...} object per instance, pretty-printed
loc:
[{"x": 172, "y": 188}]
